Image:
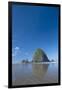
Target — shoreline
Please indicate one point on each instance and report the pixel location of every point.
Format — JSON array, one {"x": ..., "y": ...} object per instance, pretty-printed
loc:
[{"x": 36, "y": 63}]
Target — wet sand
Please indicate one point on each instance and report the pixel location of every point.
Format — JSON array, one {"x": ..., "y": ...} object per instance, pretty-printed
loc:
[{"x": 27, "y": 74}]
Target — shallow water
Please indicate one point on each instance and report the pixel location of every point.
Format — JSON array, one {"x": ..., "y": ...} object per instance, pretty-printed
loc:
[{"x": 27, "y": 74}]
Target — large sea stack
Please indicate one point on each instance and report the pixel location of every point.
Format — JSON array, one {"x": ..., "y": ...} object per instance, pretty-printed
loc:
[{"x": 40, "y": 56}]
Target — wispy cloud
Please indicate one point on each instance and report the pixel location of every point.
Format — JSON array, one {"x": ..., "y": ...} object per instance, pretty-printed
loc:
[
  {"x": 15, "y": 51},
  {"x": 26, "y": 53},
  {"x": 13, "y": 54},
  {"x": 18, "y": 54},
  {"x": 17, "y": 48}
]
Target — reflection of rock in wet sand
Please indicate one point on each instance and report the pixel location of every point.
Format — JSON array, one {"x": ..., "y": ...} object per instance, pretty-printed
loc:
[{"x": 39, "y": 70}]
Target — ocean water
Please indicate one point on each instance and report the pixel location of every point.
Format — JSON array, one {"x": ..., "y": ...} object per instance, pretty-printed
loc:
[{"x": 40, "y": 73}]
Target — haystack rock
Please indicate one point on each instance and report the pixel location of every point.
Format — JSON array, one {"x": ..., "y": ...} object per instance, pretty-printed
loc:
[{"x": 40, "y": 56}]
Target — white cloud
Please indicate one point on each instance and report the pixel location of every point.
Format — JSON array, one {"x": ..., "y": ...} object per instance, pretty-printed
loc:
[
  {"x": 17, "y": 48},
  {"x": 15, "y": 51}
]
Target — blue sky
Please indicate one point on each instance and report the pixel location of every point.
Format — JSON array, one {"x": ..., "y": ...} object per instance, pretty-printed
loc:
[{"x": 32, "y": 28}]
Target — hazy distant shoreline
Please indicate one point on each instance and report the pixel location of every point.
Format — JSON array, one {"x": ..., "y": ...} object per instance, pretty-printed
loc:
[{"x": 36, "y": 63}]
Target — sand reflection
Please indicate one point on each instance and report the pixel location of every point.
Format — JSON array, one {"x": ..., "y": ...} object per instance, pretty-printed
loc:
[{"x": 39, "y": 70}]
